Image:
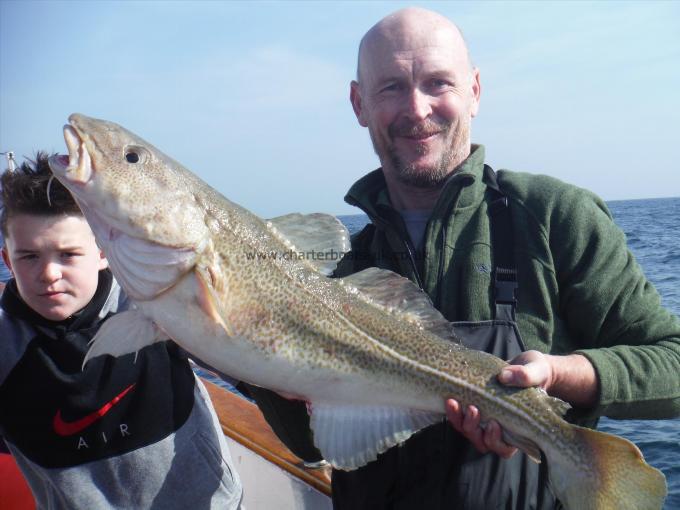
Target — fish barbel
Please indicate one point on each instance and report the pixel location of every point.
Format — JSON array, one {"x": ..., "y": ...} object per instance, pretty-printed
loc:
[{"x": 252, "y": 298}]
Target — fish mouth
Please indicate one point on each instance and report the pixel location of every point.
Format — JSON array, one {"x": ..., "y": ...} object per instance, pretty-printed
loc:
[{"x": 77, "y": 166}]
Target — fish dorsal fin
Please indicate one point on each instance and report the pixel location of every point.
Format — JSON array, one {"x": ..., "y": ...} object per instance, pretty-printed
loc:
[
  {"x": 320, "y": 239},
  {"x": 352, "y": 436},
  {"x": 399, "y": 295}
]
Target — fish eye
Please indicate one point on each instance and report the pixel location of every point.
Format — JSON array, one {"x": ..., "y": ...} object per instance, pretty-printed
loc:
[{"x": 134, "y": 154}]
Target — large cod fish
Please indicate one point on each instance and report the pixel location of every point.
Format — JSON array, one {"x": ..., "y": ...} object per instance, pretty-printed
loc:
[{"x": 369, "y": 353}]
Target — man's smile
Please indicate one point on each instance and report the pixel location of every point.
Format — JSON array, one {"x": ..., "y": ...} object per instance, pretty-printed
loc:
[
  {"x": 421, "y": 136},
  {"x": 416, "y": 135}
]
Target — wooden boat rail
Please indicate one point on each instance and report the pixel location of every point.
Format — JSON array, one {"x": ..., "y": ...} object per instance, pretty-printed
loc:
[{"x": 242, "y": 421}]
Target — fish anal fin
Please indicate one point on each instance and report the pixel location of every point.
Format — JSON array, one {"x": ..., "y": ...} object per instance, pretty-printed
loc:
[
  {"x": 123, "y": 333},
  {"x": 523, "y": 443},
  {"x": 350, "y": 436}
]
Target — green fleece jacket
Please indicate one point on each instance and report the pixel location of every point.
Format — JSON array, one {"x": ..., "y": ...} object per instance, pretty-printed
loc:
[{"x": 580, "y": 288}]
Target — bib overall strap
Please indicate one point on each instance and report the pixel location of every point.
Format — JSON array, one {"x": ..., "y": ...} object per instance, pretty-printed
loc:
[{"x": 502, "y": 246}]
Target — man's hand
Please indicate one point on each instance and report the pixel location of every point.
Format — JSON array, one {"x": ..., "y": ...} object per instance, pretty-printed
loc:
[
  {"x": 571, "y": 378},
  {"x": 467, "y": 422},
  {"x": 531, "y": 368}
]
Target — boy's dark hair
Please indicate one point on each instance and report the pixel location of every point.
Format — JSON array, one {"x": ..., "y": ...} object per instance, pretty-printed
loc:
[{"x": 24, "y": 191}]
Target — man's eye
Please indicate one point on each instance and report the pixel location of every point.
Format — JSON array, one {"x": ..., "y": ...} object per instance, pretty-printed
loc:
[
  {"x": 439, "y": 84},
  {"x": 28, "y": 256},
  {"x": 391, "y": 87}
]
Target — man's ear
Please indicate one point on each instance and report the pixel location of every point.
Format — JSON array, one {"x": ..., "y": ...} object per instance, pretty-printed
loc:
[
  {"x": 5, "y": 258},
  {"x": 476, "y": 92},
  {"x": 103, "y": 261},
  {"x": 355, "y": 98}
]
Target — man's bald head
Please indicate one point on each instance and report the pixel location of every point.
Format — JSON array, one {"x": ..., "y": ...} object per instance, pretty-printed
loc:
[
  {"x": 417, "y": 93},
  {"x": 408, "y": 29}
]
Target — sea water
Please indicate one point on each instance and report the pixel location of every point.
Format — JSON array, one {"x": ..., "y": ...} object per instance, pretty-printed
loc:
[{"x": 652, "y": 229}]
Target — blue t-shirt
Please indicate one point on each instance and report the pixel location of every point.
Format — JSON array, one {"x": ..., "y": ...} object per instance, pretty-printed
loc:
[{"x": 416, "y": 223}]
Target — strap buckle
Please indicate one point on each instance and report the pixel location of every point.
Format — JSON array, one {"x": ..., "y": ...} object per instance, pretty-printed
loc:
[
  {"x": 499, "y": 204},
  {"x": 506, "y": 285}
]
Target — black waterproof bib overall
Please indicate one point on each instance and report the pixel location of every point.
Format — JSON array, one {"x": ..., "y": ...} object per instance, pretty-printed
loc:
[{"x": 438, "y": 468}]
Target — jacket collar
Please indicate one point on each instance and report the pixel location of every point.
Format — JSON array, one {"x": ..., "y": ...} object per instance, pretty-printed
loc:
[{"x": 370, "y": 192}]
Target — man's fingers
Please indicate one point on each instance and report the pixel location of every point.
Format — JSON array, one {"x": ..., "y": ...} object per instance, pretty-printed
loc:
[
  {"x": 516, "y": 375},
  {"x": 454, "y": 414},
  {"x": 467, "y": 421},
  {"x": 531, "y": 374},
  {"x": 471, "y": 429},
  {"x": 493, "y": 440},
  {"x": 531, "y": 368},
  {"x": 471, "y": 420}
]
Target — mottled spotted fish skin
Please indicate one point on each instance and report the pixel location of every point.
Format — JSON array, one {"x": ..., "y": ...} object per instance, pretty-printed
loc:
[{"x": 367, "y": 351}]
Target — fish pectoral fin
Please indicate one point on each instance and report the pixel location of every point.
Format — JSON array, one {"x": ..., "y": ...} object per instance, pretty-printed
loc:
[
  {"x": 123, "y": 333},
  {"x": 321, "y": 237},
  {"x": 352, "y": 436},
  {"x": 208, "y": 298}
]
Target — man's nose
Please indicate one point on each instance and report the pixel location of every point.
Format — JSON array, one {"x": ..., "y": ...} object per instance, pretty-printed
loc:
[{"x": 418, "y": 105}]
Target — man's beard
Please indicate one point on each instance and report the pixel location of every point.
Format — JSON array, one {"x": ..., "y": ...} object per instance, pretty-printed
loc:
[{"x": 457, "y": 143}]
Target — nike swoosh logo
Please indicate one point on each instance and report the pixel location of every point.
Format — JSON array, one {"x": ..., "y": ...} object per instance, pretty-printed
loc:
[{"x": 63, "y": 428}]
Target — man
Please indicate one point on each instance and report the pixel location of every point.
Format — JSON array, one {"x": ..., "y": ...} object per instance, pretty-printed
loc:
[
  {"x": 506, "y": 253},
  {"x": 417, "y": 93}
]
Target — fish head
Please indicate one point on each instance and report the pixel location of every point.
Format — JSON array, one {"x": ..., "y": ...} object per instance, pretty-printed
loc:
[{"x": 141, "y": 205}]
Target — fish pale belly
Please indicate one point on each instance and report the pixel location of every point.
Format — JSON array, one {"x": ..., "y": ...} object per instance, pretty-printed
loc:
[{"x": 182, "y": 316}]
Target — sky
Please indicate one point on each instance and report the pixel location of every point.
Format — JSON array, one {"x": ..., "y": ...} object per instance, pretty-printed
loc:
[{"x": 254, "y": 96}]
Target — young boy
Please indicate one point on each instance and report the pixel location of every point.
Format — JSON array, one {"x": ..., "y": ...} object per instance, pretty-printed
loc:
[{"x": 122, "y": 432}]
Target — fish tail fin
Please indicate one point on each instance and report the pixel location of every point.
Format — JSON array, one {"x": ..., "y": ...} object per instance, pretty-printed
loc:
[{"x": 612, "y": 475}]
